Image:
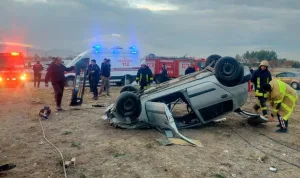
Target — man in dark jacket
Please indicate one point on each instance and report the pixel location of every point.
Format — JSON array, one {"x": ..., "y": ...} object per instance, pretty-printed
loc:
[
  {"x": 190, "y": 69},
  {"x": 144, "y": 77},
  {"x": 260, "y": 77},
  {"x": 56, "y": 72},
  {"x": 164, "y": 71},
  {"x": 95, "y": 77},
  {"x": 105, "y": 76},
  {"x": 37, "y": 73}
]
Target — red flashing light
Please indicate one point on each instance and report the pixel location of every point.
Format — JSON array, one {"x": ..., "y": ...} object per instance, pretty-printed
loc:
[{"x": 15, "y": 54}]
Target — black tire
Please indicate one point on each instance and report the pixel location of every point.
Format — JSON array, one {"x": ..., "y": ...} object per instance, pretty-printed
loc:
[
  {"x": 229, "y": 71},
  {"x": 130, "y": 88},
  {"x": 128, "y": 104},
  {"x": 159, "y": 79},
  {"x": 212, "y": 58}
]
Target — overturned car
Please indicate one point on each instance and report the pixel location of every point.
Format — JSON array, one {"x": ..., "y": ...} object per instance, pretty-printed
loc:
[{"x": 210, "y": 94}]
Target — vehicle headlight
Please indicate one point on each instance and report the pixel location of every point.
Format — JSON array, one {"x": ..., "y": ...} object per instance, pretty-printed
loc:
[{"x": 23, "y": 77}]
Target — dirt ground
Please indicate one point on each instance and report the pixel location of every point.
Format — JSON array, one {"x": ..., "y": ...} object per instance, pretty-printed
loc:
[{"x": 102, "y": 151}]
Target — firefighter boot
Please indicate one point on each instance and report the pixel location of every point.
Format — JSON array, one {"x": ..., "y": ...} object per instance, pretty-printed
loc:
[
  {"x": 283, "y": 129},
  {"x": 256, "y": 108}
]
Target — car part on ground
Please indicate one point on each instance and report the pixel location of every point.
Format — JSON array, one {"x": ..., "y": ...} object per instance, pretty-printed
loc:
[
  {"x": 209, "y": 95},
  {"x": 80, "y": 78},
  {"x": 7, "y": 167}
]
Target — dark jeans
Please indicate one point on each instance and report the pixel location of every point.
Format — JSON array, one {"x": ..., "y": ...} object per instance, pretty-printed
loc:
[
  {"x": 37, "y": 79},
  {"x": 94, "y": 86},
  {"x": 58, "y": 91}
]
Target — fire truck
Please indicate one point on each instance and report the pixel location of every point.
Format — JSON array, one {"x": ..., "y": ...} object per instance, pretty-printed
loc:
[
  {"x": 12, "y": 69},
  {"x": 175, "y": 66}
]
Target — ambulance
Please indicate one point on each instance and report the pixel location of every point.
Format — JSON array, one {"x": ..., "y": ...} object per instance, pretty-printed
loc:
[{"x": 124, "y": 61}]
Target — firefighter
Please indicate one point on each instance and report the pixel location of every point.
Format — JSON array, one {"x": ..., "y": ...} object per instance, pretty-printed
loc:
[
  {"x": 56, "y": 74},
  {"x": 144, "y": 77},
  {"x": 95, "y": 77},
  {"x": 260, "y": 77},
  {"x": 37, "y": 73},
  {"x": 190, "y": 69},
  {"x": 282, "y": 98}
]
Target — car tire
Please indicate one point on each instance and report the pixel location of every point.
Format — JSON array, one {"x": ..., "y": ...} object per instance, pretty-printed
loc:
[
  {"x": 128, "y": 104},
  {"x": 159, "y": 78},
  {"x": 295, "y": 85},
  {"x": 229, "y": 71},
  {"x": 130, "y": 88},
  {"x": 69, "y": 82},
  {"x": 212, "y": 58}
]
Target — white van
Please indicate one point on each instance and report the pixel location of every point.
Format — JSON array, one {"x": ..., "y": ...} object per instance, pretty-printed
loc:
[{"x": 125, "y": 63}]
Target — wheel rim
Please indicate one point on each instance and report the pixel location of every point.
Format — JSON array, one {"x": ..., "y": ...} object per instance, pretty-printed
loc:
[
  {"x": 228, "y": 69},
  {"x": 295, "y": 85},
  {"x": 128, "y": 104}
]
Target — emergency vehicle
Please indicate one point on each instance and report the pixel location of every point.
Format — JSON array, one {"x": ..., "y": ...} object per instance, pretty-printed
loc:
[
  {"x": 12, "y": 69},
  {"x": 175, "y": 66},
  {"x": 124, "y": 62}
]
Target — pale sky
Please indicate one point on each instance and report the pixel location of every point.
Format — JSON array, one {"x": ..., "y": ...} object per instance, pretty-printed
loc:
[{"x": 162, "y": 27}]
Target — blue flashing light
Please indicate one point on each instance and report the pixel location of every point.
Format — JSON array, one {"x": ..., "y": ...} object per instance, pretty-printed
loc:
[
  {"x": 132, "y": 47},
  {"x": 115, "y": 51},
  {"x": 133, "y": 52},
  {"x": 97, "y": 47}
]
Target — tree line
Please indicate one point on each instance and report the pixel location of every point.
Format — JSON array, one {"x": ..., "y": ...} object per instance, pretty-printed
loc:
[{"x": 254, "y": 57}]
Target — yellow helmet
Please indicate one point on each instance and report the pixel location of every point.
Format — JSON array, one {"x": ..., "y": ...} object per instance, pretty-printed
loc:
[{"x": 264, "y": 63}]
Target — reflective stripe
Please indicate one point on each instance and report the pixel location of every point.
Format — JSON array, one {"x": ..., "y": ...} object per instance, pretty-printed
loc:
[
  {"x": 264, "y": 108},
  {"x": 258, "y": 82},
  {"x": 141, "y": 77},
  {"x": 257, "y": 93},
  {"x": 151, "y": 78}
]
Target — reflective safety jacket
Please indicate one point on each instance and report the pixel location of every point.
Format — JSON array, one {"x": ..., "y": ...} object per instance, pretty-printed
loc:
[
  {"x": 259, "y": 78},
  {"x": 144, "y": 77},
  {"x": 282, "y": 98}
]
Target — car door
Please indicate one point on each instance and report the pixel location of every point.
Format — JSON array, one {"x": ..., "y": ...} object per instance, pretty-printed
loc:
[{"x": 289, "y": 77}]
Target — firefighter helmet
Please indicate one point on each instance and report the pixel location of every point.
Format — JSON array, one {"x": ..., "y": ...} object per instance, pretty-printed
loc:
[{"x": 264, "y": 63}]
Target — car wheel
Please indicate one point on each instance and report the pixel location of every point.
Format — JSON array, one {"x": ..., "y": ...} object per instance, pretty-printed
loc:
[
  {"x": 130, "y": 88},
  {"x": 128, "y": 104},
  {"x": 70, "y": 81},
  {"x": 229, "y": 71},
  {"x": 295, "y": 85},
  {"x": 158, "y": 79},
  {"x": 212, "y": 58}
]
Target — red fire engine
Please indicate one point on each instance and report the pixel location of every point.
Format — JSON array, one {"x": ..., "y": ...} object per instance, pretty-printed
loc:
[{"x": 175, "y": 66}]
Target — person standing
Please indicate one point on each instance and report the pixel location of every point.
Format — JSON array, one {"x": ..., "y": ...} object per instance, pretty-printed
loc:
[
  {"x": 283, "y": 100},
  {"x": 164, "y": 71},
  {"x": 190, "y": 69},
  {"x": 105, "y": 76},
  {"x": 37, "y": 73},
  {"x": 260, "y": 77},
  {"x": 56, "y": 72},
  {"x": 144, "y": 77},
  {"x": 95, "y": 77}
]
